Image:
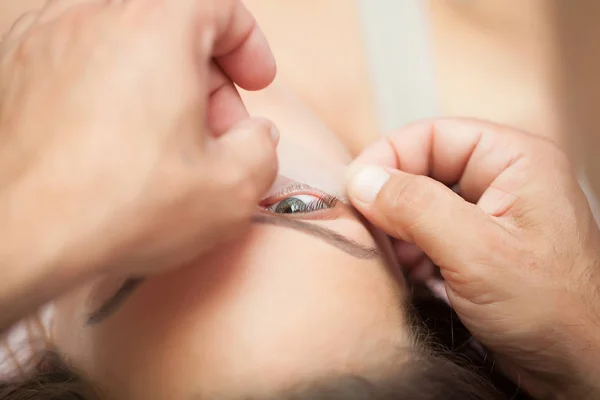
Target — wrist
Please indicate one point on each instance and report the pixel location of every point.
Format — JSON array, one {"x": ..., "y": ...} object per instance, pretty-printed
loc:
[
  {"x": 583, "y": 378},
  {"x": 571, "y": 370}
]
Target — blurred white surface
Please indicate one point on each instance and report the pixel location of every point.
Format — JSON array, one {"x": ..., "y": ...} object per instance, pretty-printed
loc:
[{"x": 399, "y": 52}]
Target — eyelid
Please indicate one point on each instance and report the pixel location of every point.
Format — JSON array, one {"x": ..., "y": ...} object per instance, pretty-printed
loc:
[
  {"x": 294, "y": 189},
  {"x": 286, "y": 187},
  {"x": 303, "y": 165}
]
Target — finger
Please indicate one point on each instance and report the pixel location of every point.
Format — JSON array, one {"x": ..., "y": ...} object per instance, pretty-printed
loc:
[
  {"x": 222, "y": 29},
  {"x": 408, "y": 254},
  {"x": 245, "y": 159},
  {"x": 422, "y": 211},
  {"x": 471, "y": 153},
  {"x": 242, "y": 50},
  {"x": 225, "y": 107},
  {"x": 423, "y": 271}
]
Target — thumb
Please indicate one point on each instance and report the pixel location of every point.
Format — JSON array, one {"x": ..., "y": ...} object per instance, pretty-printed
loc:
[
  {"x": 420, "y": 210},
  {"x": 247, "y": 154}
]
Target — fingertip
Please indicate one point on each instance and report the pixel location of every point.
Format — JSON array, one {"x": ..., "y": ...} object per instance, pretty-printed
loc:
[
  {"x": 250, "y": 147},
  {"x": 252, "y": 66},
  {"x": 243, "y": 51},
  {"x": 258, "y": 129},
  {"x": 275, "y": 134},
  {"x": 364, "y": 182}
]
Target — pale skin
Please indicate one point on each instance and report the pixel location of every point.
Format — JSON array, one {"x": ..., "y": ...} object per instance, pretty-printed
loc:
[
  {"x": 409, "y": 207},
  {"x": 533, "y": 66},
  {"x": 462, "y": 31},
  {"x": 271, "y": 310},
  {"x": 323, "y": 63},
  {"x": 272, "y": 318},
  {"x": 274, "y": 308},
  {"x": 534, "y": 47},
  {"x": 519, "y": 256},
  {"x": 202, "y": 121}
]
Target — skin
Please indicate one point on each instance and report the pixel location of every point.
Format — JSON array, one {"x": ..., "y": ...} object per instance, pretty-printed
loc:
[
  {"x": 409, "y": 207},
  {"x": 125, "y": 156},
  {"x": 521, "y": 267},
  {"x": 274, "y": 308},
  {"x": 334, "y": 81},
  {"x": 200, "y": 308}
]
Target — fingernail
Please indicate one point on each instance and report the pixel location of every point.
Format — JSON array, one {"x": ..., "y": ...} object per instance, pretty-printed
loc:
[
  {"x": 366, "y": 183},
  {"x": 275, "y": 134}
]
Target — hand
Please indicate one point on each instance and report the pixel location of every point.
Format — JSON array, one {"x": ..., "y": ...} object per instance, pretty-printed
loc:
[
  {"x": 121, "y": 146},
  {"x": 519, "y": 253}
]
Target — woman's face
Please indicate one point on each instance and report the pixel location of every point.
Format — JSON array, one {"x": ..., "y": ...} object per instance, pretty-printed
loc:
[{"x": 305, "y": 293}]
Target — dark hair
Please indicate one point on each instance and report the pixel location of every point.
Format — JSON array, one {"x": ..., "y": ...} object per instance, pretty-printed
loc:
[{"x": 444, "y": 366}]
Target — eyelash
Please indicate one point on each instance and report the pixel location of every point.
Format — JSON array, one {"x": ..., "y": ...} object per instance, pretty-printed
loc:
[
  {"x": 312, "y": 206},
  {"x": 323, "y": 201}
]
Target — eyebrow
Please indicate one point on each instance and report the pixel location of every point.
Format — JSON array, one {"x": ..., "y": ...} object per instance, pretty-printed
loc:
[
  {"x": 329, "y": 236},
  {"x": 111, "y": 305},
  {"x": 347, "y": 245}
]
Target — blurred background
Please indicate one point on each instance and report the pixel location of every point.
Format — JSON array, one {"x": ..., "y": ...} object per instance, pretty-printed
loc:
[
  {"x": 373, "y": 65},
  {"x": 533, "y": 64}
]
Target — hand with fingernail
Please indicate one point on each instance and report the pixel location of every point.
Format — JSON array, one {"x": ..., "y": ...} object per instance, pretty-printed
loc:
[
  {"x": 125, "y": 147},
  {"x": 519, "y": 251}
]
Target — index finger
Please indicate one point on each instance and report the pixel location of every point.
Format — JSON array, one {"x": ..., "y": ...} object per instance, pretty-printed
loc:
[
  {"x": 241, "y": 49},
  {"x": 468, "y": 152},
  {"x": 226, "y": 29}
]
